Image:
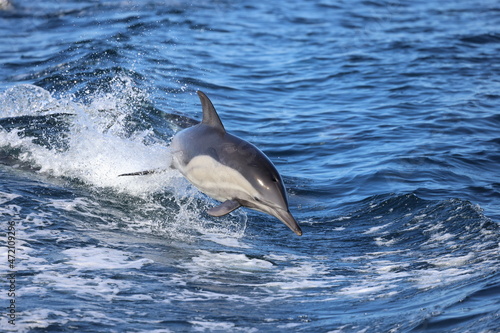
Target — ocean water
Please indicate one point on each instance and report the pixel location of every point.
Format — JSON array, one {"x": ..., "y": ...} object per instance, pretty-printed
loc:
[{"x": 383, "y": 118}]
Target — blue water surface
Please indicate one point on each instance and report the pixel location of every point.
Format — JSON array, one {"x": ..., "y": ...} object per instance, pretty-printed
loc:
[{"x": 383, "y": 118}]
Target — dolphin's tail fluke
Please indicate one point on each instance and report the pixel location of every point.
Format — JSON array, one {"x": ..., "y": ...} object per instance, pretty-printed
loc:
[{"x": 142, "y": 173}]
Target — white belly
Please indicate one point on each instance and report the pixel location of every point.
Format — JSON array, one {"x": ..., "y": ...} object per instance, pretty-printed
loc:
[{"x": 215, "y": 179}]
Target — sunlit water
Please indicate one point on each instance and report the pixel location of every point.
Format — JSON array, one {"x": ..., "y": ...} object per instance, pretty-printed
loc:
[{"x": 382, "y": 117}]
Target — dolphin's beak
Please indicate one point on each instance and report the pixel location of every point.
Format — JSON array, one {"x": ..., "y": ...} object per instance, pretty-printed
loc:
[{"x": 286, "y": 217}]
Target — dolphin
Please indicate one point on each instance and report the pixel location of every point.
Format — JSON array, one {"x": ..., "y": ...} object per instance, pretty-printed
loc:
[{"x": 229, "y": 169}]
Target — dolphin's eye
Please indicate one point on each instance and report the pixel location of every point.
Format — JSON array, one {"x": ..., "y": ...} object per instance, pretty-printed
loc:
[
  {"x": 256, "y": 199},
  {"x": 274, "y": 180}
]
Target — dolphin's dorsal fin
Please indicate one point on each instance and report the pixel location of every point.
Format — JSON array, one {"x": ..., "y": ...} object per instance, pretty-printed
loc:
[{"x": 210, "y": 116}]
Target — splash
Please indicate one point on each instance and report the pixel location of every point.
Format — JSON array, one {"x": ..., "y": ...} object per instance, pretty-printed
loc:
[{"x": 98, "y": 143}]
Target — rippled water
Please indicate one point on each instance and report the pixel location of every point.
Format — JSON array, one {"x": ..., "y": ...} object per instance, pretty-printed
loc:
[{"x": 383, "y": 118}]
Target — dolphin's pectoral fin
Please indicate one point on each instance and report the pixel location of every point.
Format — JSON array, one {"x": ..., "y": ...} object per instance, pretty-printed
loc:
[{"x": 224, "y": 208}]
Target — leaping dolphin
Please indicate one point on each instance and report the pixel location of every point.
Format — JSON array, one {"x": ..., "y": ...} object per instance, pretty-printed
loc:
[{"x": 229, "y": 169}]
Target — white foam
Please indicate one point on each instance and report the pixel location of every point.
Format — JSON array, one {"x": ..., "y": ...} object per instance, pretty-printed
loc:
[
  {"x": 441, "y": 237},
  {"x": 39, "y": 318},
  {"x": 432, "y": 278},
  {"x": 341, "y": 218},
  {"x": 7, "y": 197},
  {"x": 83, "y": 286},
  {"x": 296, "y": 273},
  {"x": 102, "y": 258},
  {"x": 380, "y": 241},
  {"x": 70, "y": 205},
  {"x": 211, "y": 326},
  {"x": 99, "y": 147},
  {"x": 376, "y": 229},
  {"x": 361, "y": 290},
  {"x": 449, "y": 260},
  {"x": 230, "y": 261},
  {"x": 299, "y": 284},
  {"x": 289, "y": 326},
  {"x": 380, "y": 278},
  {"x": 226, "y": 241},
  {"x": 186, "y": 295}
]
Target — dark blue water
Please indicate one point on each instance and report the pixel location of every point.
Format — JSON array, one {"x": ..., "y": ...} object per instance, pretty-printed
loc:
[{"x": 383, "y": 118}]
